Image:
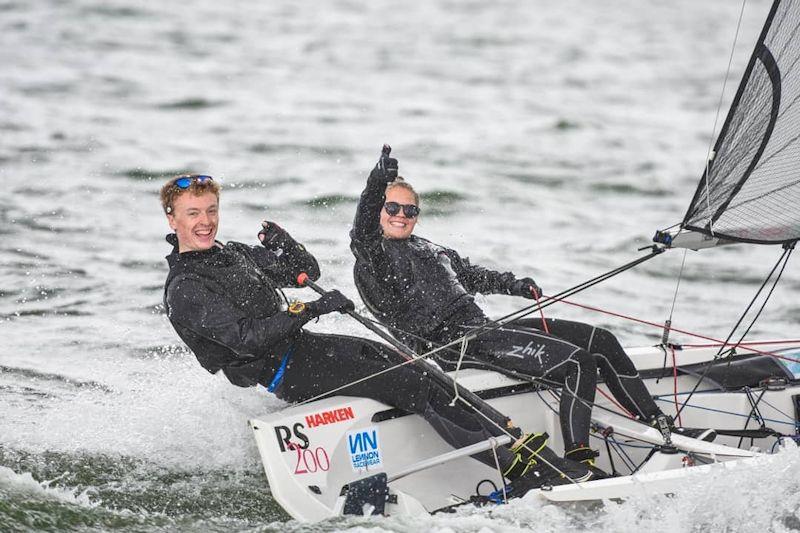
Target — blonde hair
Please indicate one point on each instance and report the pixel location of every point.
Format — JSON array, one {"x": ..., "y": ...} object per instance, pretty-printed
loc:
[
  {"x": 170, "y": 192},
  {"x": 399, "y": 182}
]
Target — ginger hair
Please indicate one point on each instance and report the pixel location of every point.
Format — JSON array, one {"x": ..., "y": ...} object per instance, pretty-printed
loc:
[{"x": 170, "y": 192}]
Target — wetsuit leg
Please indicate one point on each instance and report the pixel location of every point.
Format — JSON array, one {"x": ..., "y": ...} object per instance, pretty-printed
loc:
[
  {"x": 532, "y": 353},
  {"x": 615, "y": 366},
  {"x": 324, "y": 362}
]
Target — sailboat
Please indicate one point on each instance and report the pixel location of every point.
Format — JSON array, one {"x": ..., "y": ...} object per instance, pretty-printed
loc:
[{"x": 354, "y": 456}]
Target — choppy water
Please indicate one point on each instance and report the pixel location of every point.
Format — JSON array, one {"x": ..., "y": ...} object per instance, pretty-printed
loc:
[{"x": 550, "y": 139}]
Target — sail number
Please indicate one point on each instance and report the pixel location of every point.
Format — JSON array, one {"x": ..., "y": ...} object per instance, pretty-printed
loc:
[{"x": 310, "y": 461}]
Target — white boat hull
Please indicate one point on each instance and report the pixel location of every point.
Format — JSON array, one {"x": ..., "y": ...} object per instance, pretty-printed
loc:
[{"x": 311, "y": 451}]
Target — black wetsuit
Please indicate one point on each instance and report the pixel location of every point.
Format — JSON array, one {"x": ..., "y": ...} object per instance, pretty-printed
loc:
[
  {"x": 424, "y": 292},
  {"x": 224, "y": 304}
]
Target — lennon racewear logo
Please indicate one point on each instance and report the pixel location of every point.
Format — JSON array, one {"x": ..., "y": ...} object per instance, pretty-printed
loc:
[{"x": 364, "y": 448}]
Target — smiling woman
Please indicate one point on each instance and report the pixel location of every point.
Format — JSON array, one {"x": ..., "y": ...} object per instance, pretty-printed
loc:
[
  {"x": 399, "y": 214},
  {"x": 191, "y": 204},
  {"x": 424, "y": 293}
]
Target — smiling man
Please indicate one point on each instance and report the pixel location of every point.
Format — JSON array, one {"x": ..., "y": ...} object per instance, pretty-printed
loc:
[
  {"x": 222, "y": 299},
  {"x": 197, "y": 217}
]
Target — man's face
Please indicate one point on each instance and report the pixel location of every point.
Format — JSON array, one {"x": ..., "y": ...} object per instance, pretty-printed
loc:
[
  {"x": 195, "y": 220},
  {"x": 398, "y": 226}
]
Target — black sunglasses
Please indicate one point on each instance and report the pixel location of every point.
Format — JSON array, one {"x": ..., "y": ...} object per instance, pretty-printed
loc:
[
  {"x": 184, "y": 182},
  {"x": 409, "y": 210}
]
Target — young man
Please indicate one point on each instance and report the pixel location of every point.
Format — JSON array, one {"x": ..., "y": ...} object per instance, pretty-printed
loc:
[
  {"x": 424, "y": 293},
  {"x": 224, "y": 302}
]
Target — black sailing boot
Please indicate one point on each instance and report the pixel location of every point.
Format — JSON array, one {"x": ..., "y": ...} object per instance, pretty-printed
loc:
[
  {"x": 583, "y": 454},
  {"x": 535, "y": 465}
]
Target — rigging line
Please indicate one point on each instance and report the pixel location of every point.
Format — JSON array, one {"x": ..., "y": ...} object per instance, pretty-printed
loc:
[
  {"x": 552, "y": 384},
  {"x": 677, "y": 285},
  {"x": 556, "y": 394},
  {"x": 615, "y": 402},
  {"x": 523, "y": 445},
  {"x": 457, "y": 396},
  {"x": 779, "y": 411},
  {"x": 747, "y": 343},
  {"x": 466, "y": 402},
  {"x": 475, "y": 332},
  {"x": 525, "y": 311},
  {"x": 541, "y": 311},
  {"x": 716, "y": 342},
  {"x": 752, "y": 302},
  {"x": 497, "y": 324},
  {"x": 754, "y": 413},
  {"x": 732, "y": 413},
  {"x": 668, "y": 322},
  {"x": 543, "y": 380},
  {"x": 766, "y": 299},
  {"x": 550, "y": 300},
  {"x": 499, "y": 470},
  {"x": 716, "y": 117},
  {"x": 621, "y": 453},
  {"x": 675, "y": 386},
  {"x": 709, "y": 365}
]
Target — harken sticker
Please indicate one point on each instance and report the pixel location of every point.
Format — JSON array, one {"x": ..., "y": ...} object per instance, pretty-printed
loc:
[{"x": 364, "y": 447}]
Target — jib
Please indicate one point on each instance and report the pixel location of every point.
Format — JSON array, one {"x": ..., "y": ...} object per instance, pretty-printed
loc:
[{"x": 284, "y": 435}]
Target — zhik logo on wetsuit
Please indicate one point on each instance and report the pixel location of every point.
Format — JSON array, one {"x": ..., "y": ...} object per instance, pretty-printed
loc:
[
  {"x": 521, "y": 351},
  {"x": 364, "y": 448}
]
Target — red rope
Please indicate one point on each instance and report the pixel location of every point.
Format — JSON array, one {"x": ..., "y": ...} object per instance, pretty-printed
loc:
[
  {"x": 612, "y": 400},
  {"x": 537, "y": 296},
  {"x": 715, "y": 343},
  {"x": 745, "y": 343},
  {"x": 661, "y": 326}
]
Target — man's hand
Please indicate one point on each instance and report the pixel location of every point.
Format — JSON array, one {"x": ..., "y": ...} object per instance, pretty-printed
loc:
[
  {"x": 386, "y": 169},
  {"x": 331, "y": 301},
  {"x": 272, "y": 235},
  {"x": 525, "y": 287}
]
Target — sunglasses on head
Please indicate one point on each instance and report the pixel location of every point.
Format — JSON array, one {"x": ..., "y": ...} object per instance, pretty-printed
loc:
[
  {"x": 409, "y": 210},
  {"x": 184, "y": 182}
]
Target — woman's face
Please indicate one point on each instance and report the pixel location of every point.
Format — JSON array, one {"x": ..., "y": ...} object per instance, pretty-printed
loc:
[{"x": 398, "y": 226}]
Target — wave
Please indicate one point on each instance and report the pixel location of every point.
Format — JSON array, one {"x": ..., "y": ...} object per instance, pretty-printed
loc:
[
  {"x": 36, "y": 375},
  {"x": 630, "y": 189},
  {"x": 330, "y": 200},
  {"x": 552, "y": 182},
  {"x": 12, "y": 482},
  {"x": 114, "y": 493},
  {"x": 191, "y": 104},
  {"x": 52, "y": 312},
  {"x": 143, "y": 174},
  {"x": 300, "y": 149}
]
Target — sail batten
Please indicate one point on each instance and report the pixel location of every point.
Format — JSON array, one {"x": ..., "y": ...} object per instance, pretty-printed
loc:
[{"x": 750, "y": 191}]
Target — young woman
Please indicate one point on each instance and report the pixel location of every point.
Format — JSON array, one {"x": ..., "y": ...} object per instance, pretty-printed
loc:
[{"x": 424, "y": 293}]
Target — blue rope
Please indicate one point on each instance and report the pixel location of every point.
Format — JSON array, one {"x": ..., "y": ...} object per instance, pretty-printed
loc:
[
  {"x": 659, "y": 399},
  {"x": 497, "y": 496},
  {"x": 278, "y": 377}
]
